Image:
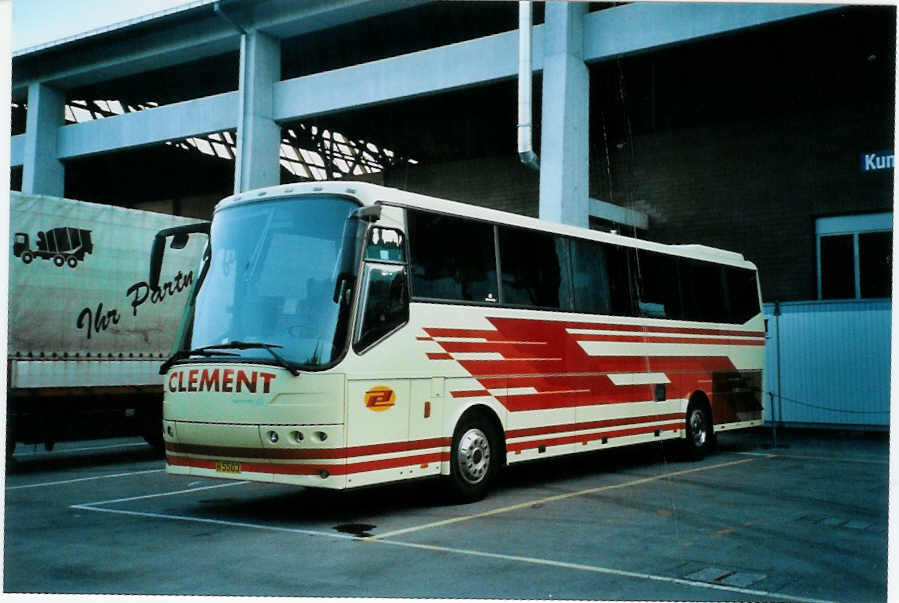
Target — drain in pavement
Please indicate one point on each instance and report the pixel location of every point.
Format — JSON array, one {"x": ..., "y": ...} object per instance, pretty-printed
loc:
[{"x": 362, "y": 530}]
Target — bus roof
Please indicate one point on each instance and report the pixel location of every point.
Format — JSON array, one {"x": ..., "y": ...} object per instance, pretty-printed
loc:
[{"x": 374, "y": 194}]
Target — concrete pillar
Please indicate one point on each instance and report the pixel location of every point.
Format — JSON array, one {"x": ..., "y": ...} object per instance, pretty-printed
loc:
[
  {"x": 258, "y": 136},
  {"x": 564, "y": 145},
  {"x": 42, "y": 172}
]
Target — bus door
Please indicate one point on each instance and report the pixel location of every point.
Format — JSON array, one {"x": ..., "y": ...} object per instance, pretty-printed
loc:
[{"x": 378, "y": 404}]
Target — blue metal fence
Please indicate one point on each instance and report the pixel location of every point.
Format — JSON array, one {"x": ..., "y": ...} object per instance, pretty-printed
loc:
[{"x": 828, "y": 364}]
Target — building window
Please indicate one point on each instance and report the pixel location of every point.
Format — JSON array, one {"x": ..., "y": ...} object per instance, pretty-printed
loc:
[{"x": 854, "y": 256}]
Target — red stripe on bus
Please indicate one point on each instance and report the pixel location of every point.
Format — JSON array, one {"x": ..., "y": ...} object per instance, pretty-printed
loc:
[
  {"x": 625, "y": 394},
  {"x": 593, "y": 364},
  {"x": 403, "y": 461},
  {"x": 312, "y": 469},
  {"x": 519, "y": 446},
  {"x": 610, "y": 394},
  {"x": 307, "y": 453},
  {"x": 650, "y": 339},
  {"x": 647, "y": 328},
  {"x": 439, "y": 356},
  {"x": 532, "y": 431},
  {"x": 474, "y": 393},
  {"x": 503, "y": 347},
  {"x": 440, "y": 332},
  {"x": 527, "y": 323}
]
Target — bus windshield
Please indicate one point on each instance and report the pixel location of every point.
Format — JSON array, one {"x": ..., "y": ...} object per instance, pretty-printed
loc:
[{"x": 278, "y": 275}]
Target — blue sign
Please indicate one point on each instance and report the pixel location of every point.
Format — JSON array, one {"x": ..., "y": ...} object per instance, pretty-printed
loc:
[{"x": 874, "y": 162}]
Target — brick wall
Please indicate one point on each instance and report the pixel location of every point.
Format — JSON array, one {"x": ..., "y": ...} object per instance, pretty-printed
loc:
[
  {"x": 496, "y": 182},
  {"x": 754, "y": 187}
]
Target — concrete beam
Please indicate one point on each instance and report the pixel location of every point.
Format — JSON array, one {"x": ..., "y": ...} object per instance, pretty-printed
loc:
[
  {"x": 258, "y": 135},
  {"x": 470, "y": 63},
  {"x": 151, "y": 126},
  {"x": 144, "y": 52},
  {"x": 608, "y": 34},
  {"x": 42, "y": 171},
  {"x": 172, "y": 40},
  {"x": 288, "y": 18},
  {"x": 645, "y": 26},
  {"x": 617, "y": 214}
]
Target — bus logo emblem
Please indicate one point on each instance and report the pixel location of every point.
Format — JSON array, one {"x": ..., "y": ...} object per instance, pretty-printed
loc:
[{"x": 380, "y": 398}]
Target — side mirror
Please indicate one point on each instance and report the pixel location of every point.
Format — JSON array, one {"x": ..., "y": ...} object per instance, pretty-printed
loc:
[{"x": 180, "y": 235}]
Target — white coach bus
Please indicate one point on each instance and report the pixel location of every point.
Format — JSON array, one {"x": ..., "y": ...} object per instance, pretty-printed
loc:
[{"x": 344, "y": 334}]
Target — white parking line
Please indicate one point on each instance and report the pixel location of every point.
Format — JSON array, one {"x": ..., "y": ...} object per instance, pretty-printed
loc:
[
  {"x": 383, "y": 538},
  {"x": 236, "y": 524},
  {"x": 157, "y": 495},
  {"x": 836, "y": 459},
  {"x": 442, "y": 549},
  {"x": 557, "y": 497},
  {"x": 82, "y": 479},
  {"x": 605, "y": 570}
]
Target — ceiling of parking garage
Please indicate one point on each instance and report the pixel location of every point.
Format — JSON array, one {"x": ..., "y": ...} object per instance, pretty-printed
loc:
[{"x": 804, "y": 65}]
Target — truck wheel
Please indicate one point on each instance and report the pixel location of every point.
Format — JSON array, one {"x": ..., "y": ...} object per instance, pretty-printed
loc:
[
  {"x": 149, "y": 418},
  {"x": 72, "y": 261},
  {"x": 59, "y": 260},
  {"x": 474, "y": 458},
  {"x": 27, "y": 257}
]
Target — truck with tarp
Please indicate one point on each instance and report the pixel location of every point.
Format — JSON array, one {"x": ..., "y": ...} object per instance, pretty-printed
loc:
[{"x": 86, "y": 332}]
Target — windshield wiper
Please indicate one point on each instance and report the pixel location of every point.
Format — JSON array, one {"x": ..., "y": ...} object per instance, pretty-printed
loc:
[
  {"x": 268, "y": 347},
  {"x": 209, "y": 350},
  {"x": 213, "y": 350}
]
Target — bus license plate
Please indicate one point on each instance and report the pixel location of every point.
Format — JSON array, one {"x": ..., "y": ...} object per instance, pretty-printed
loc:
[{"x": 227, "y": 467}]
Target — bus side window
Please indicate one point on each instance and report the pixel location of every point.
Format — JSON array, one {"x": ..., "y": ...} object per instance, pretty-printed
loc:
[
  {"x": 704, "y": 291},
  {"x": 384, "y": 304},
  {"x": 451, "y": 258},
  {"x": 535, "y": 268},
  {"x": 600, "y": 278},
  {"x": 659, "y": 292},
  {"x": 743, "y": 292}
]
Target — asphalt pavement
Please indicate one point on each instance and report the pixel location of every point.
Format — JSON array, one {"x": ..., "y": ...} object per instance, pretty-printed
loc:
[{"x": 803, "y": 521}]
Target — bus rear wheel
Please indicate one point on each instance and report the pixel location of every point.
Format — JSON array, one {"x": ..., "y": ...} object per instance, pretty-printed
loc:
[
  {"x": 700, "y": 437},
  {"x": 473, "y": 459}
]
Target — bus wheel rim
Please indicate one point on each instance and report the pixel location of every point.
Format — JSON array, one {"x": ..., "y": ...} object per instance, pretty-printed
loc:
[
  {"x": 473, "y": 455},
  {"x": 697, "y": 428}
]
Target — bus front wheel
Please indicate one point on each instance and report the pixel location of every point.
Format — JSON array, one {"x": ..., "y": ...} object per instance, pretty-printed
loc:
[
  {"x": 700, "y": 437},
  {"x": 473, "y": 459}
]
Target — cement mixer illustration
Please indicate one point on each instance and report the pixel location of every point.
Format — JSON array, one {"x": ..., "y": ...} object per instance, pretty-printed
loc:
[{"x": 64, "y": 245}]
